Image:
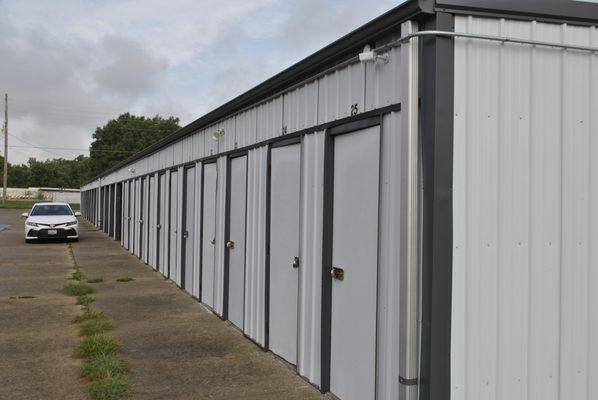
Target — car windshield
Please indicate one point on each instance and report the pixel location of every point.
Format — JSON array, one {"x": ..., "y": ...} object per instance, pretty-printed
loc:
[{"x": 51, "y": 209}]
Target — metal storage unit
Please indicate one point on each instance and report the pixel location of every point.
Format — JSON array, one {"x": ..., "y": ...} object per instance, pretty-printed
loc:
[{"x": 417, "y": 222}]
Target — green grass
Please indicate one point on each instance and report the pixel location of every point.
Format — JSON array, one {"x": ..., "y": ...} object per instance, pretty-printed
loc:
[
  {"x": 104, "y": 366},
  {"x": 97, "y": 345},
  {"x": 26, "y": 204},
  {"x": 111, "y": 388},
  {"x": 85, "y": 300},
  {"x": 77, "y": 289},
  {"x": 94, "y": 327},
  {"x": 89, "y": 314},
  {"x": 125, "y": 279},
  {"x": 98, "y": 279},
  {"x": 77, "y": 276}
]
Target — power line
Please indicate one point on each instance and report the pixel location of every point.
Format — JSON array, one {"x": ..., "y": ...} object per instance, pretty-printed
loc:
[{"x": 75, "y": 149}]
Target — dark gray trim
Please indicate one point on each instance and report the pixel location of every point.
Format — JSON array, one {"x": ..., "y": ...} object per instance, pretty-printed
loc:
[
  {"x": 559, "y": 11},
  {"x": 226, "y": 278},
  {"x": 327, "y": 219},
  {"x": 268, "y": 230},
  {"x": 436, "y": 82},
  {"x": 201, "y": 196}
]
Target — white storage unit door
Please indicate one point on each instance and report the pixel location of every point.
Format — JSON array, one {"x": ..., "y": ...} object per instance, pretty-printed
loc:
[
  {"x": 133, "y": 217},
  {"x": 174, "y": 193},
  {"x": 284, "y": 250},
  {"x": 235, "y": 245},
  {"x": 125, "y": 215},
  {"x": 188, "y": 255},
  {"x": 162, "y": 242},
  {"x": 138, "y": 216},
  {"x": 355, "y": 252},
  {"x": 144, "y": 223},
  {"x": 209, "y": 233}
]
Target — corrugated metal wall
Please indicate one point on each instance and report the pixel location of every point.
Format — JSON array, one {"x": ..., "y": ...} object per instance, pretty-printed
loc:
[
  {"x": 525, "y": 219},
  {"x": 310, "y": 254},
  {"x": 197, "y": 231},
  {"x": 255, "y": 258},
  {"x": 330, "y": 97},
  {"x": 219, "y": 247}
]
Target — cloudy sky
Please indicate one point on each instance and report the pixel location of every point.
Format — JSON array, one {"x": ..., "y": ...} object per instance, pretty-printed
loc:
[{"x": 69, "y": 66}]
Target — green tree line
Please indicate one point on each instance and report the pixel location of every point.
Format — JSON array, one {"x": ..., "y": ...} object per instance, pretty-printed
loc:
[{"x": 112, "y": 143}]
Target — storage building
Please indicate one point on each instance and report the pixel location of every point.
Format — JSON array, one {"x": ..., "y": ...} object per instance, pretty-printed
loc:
[{"x": 409, "y": 213}]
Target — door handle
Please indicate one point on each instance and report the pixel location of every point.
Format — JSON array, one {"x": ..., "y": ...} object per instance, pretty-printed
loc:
[
  {"x": 230, "y": 244},
  {"x": 213, "y": 241},
  {"x": 337, "y": 273},
  {"x": 186, "y": 234},
  {"x": 295, "y": 262},
  {"x": 159, "y": 226}
]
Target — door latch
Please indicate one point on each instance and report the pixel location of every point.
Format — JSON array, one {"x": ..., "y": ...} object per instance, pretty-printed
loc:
[
  {"x": 337, "y": 273},
  {"x": 186, "y": 234},
  {"x": 230, "y": 244},
  {"x": 295, "y": 262},
  {"x": 213, "y": 241}
]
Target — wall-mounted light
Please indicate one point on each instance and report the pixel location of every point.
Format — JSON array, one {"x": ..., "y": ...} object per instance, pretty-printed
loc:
[
  {"x": 216, "y": 135},
  {"x": 369, "y": 55},
  {"x": 132, "y": 170}
]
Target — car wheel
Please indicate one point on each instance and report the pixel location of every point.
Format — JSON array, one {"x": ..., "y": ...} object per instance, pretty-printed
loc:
[
  {"x": 28, "y": 241},
  {"x": 74, "y": 240}
]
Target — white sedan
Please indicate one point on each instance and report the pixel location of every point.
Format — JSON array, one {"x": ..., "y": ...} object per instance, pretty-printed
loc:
[{"x": 51, "y": 220}]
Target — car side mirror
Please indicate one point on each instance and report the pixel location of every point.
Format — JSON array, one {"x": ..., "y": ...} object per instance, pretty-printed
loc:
[
  {"x": 24, "y": 215},
  {"x": 77, "y": 214}
]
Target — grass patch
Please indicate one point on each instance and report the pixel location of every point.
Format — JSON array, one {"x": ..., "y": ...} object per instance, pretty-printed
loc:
[
  {"x": 98, "y": 279},
  {"x": 77, "y": 289},
  {"x": 111, "y": 388},
  {"x": 89, "y": 314},
  {"x": 77, "y": 276},
  {"x": 125, "y": 279},
  {"x": 94, "y": 327},
  {"x": 27, "y": 204},
  {"x": 85, "y": 300},
  {"x": 97, "y": 345},
  {"x": 105, "y": 366}
]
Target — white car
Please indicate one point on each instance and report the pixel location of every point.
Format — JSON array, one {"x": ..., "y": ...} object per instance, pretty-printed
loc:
[{"x": 51, "y": 220}]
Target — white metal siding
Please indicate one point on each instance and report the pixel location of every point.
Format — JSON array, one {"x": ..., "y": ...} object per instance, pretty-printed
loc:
[
  {"x": 310, "y": 255},
  {"x": 255, "y": 261},
  {"x": 269, "y": 119},
  {"x": 197, "y": 232},
  {"x": 525, "y": 220},
  {"x": 301, "y": 107},
  {"x": 220, "y": 239}
]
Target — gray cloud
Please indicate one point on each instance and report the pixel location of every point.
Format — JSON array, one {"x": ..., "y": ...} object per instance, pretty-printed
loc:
[
  {"x": 71, "y": 68},
  {"x": 130, "y": 71}
]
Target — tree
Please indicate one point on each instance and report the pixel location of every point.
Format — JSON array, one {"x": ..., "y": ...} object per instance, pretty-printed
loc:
[
  {"x": 114, "y": 142},
  {"x": 126, "y": 135}
]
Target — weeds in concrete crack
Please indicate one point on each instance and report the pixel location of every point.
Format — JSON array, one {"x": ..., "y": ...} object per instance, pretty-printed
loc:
[
  {"x": 85, "y": 300},
  {"x": 77, "y": 289},
  {"x": 125, "y": 279},
  {"x": 106, "y": 371}
]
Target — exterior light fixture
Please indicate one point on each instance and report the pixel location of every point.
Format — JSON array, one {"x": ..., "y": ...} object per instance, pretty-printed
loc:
[{"x": 216, "y": 135}]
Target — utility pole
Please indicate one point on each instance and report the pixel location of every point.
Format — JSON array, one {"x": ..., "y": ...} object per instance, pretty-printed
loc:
[{"x": 5, "y": 145}]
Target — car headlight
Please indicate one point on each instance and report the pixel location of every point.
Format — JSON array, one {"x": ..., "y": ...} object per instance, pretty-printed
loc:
[
  {"x": 71, "y": 223},
  {"x": 30, "y": 223}
]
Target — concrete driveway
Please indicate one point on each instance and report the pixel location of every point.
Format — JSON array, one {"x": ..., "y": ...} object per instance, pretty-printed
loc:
[
  {"x": 177, "y": 349},
  {"x": 37, "y": 338}
]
